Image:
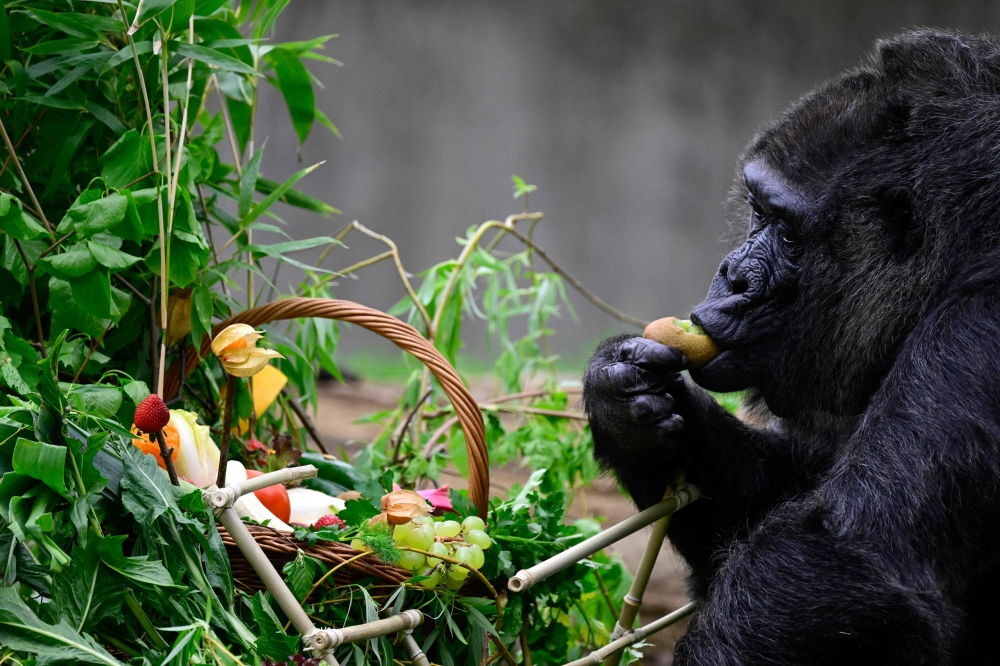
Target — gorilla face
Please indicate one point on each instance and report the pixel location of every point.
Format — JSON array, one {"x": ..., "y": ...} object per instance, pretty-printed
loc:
[
  {"x": 748, "y": 303},
  {"x": 834, "y": 273}
]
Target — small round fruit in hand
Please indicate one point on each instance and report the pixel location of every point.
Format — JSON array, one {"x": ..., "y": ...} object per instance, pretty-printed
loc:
[{"x": 274, "y": 498}]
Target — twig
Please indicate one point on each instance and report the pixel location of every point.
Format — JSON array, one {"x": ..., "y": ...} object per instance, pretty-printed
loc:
[
  {"x": 21, "y": 140},
  {"x": 56, "y": 244},
  {"x": 172, "y": 194},
  {"x": 431, "y": 325},
  {"x": 34, "y": 294},
  {"x": 24, "y": 178},
  {"x": 503, "y": 650},
  {"x": 306, "y": 423},
  {"x": 168, "y": 461},
  {"x": 135, "y": 292},
  {"x": 91, "y": 353},
  {"x": 208, "y": 228},
  {"x": 228, "y": 123},
  {"x": 152, "y": 333},
  {"x": 604, "y": 593},
  {"x": 354, "y": 267},
  {"x": 406, "y": 424},
  {"x": 227, "y": 430}
]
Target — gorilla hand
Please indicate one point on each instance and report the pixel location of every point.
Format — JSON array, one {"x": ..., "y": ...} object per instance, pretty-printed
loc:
[{"x": 635, "y": 399}]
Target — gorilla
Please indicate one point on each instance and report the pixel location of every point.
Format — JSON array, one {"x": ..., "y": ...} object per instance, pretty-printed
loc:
[{"x": 854, "y": 517}]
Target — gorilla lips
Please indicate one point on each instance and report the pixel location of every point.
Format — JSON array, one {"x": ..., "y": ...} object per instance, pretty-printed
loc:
[{"x": 683, "y": 335}]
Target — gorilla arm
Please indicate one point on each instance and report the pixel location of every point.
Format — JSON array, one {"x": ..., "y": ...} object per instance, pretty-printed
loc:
[{"x": 651, "y": 425}]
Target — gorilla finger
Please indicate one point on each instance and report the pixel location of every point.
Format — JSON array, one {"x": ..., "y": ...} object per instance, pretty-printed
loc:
[
  {"x": 651, "y": 355},
  {"x": 631, "y": 380},
  {"x": 671, "y": 424},
  {"x": 649, "y": 408}
]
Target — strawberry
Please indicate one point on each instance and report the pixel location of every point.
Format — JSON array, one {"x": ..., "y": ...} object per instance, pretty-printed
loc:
[
  {"x": 329, "y": 520},
  {"x": 152, "y": 414}
]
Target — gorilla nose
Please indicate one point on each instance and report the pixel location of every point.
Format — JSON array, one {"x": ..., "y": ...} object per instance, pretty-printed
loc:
[{"x": 738, "y": 283}]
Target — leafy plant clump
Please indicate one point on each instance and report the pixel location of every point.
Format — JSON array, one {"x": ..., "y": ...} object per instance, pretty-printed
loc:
[{"x": 134, "y": 215}]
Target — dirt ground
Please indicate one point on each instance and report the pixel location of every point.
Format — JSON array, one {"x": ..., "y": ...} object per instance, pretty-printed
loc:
[{"x": 341, "y": 405}]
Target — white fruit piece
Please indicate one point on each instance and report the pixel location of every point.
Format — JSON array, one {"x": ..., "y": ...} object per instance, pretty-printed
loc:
[{"x": 308, "y": 505}]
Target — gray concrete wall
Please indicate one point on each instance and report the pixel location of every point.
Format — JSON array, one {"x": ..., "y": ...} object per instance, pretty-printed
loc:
[{"x": 628, "y": 116}]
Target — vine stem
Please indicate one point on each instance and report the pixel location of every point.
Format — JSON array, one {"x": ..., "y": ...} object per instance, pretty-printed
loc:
[
  {"x": 158, "y": 369},
  {"x": 17, "y": 145},
  {"x": 34, "y": 294},
  {"x": 24, "y": 178},
  {"x": 227, "y": 430}
]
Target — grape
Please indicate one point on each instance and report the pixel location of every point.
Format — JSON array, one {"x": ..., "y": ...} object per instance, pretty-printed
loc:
[
  {"x": 400, "y": 532},
  {"x": 447, "y": 528},
  {"x": 437, "y": 548},
  {"x": 476, "y": 557},
  {"x": 458, "y": 573},
  {"x": 453, "y": 584},
  {"x": 473, "y": 523},
  {"x": 463, "y": 554},
  {"x": 358, "y": 544},
  {"x": 422, "y": 520},
  {"x": 479, "y": 538},
  {"x": 433, "y": 576},
  {"x": 421, "y": 537},
  {"x": 410, "y": 560}
]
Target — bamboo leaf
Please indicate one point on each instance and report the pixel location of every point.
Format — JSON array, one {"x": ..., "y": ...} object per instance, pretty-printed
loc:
[
  {"x": 212, "y": 57},
  {"x": 248, "y": 182},
  {"x": 293, "y": 81}
]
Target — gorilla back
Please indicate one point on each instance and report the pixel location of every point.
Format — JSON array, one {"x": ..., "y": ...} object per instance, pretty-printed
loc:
[{"x": 856, "y": 521}]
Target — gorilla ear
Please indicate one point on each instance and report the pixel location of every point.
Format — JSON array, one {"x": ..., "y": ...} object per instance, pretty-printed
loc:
[{"x": 905, "y": 235}]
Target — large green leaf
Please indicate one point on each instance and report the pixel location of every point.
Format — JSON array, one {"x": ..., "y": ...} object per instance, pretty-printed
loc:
[
  {"x": 21, "y": 629},
  {"x": 293, "y": 81},
  {"x": 140, "y": 569},
  {"x": 15, "y": 222},
  {"x": 94, "y": 216},
  {"x": 147, "y": 492},
  {"x": 72, "y": 264},
  {"x": 96, "y": 399},
  {"x": 93, "y": 292},
  {"x": 273, "y": 643},
  {"x": 113, "y": 259},
  {"x": 45, "y": 462}
]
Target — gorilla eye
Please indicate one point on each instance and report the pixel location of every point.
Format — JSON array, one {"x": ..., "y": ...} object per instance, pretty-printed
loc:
[
  {"x": 758, "y": 218},
  {"x": 788, "y": 237}
]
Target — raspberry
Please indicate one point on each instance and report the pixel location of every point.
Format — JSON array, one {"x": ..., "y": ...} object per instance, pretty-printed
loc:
[
  {"x": 152, "y": 414},
  {"x": 327, "y": 521}
]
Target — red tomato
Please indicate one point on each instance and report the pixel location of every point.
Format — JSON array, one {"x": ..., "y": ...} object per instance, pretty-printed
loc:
[{"x": 274, "y": 499}]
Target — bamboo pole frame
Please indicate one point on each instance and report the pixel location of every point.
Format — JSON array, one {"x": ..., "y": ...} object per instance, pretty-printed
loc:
[
  {"x": 526, "y": 578},
  {"x": 320, "y": 642},
  {"x": 632, "y": 637}
]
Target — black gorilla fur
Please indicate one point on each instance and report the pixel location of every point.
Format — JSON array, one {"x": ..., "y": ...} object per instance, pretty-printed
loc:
[{"x": 858, "y": 520}]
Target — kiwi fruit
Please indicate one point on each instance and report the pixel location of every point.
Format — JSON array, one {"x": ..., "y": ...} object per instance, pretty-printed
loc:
[{"x": 683, "y": 335}]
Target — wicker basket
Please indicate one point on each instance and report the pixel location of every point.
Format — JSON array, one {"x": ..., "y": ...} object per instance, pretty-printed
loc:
[{"x": 282, "y": 548}]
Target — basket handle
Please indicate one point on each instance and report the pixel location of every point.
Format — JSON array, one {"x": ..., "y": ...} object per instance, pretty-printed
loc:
[{"x": 402, "y": 334}]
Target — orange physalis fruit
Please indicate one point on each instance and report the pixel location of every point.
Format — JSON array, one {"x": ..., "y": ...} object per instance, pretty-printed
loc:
[{"x": 170, "y": 436}]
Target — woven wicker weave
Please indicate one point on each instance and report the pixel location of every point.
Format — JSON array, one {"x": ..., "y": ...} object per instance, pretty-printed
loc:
[{"x": 282, "y": 548}]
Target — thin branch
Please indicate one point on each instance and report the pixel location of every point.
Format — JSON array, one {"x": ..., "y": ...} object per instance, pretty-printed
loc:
[
  {"x": 431, "y": 325},
  {"x": 21, "y": 140},
  {"x": 228, "y": 122},
  {"x": 34, "y": 294},
  {"x": 514, "y": 409},
  {"x": 353, "y": 267},
  {"x": 406, "y": 424},
  {"x": 24, "y": 178},
  {"x": 135, "y": 292},
  {"x": 91, "y": 353},
  {"x": 56, "y": 244},
  {"x": 307, "y": 423},
  {"x": 164, "y": 233}
]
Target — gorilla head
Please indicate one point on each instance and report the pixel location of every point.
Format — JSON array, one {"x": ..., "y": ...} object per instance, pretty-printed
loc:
[{"x": 860, "y": 203}]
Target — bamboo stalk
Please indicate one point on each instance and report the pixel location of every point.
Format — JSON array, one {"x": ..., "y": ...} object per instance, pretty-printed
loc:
[
  {"x": 633, "y": 600},
  {"x": 633, "y": 637},
  {"x": 526, "y": 578},
  {"x": 408, "y": 619}
]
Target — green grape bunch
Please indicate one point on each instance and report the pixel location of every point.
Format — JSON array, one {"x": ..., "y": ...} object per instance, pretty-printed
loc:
[{"x": 462, "y": 542}]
